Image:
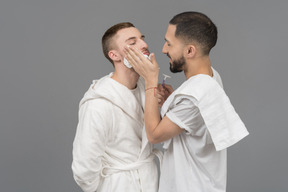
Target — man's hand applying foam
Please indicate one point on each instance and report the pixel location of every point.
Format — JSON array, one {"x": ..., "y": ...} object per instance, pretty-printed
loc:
[{"x": 146, "y": 68}]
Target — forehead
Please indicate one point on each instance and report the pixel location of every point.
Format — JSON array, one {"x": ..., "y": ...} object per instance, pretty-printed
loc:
[
  {"x": 127, "y": 33},
  {"x": 170, "y": 33}
]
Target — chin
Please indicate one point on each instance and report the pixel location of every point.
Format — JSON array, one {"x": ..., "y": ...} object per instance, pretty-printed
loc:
[{"x": 175, "y": 70}]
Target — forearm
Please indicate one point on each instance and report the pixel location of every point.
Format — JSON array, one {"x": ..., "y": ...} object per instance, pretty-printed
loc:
[
  {"x": 86, "y": 179},
  {"x": 152, "y": 114},
  {"x": 86, "y": 168},
  {"x": 88, "y": 145}
]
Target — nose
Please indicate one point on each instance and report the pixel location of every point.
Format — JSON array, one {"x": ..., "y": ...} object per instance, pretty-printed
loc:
[
  {"x": 143, "y": 44},
  {"x": 164, "y": 49}
]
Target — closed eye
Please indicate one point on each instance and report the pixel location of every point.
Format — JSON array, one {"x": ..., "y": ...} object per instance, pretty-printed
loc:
[
  {"x": 133, "y": 43},
  {"x": 167, "y": 42}
]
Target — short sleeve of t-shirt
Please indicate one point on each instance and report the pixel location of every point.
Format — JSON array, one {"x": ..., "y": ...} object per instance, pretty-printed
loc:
[{"x": 186, "y": 114}]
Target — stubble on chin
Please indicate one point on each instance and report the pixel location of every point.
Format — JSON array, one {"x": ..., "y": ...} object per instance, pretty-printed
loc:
[{"x": 177, "y": 65}]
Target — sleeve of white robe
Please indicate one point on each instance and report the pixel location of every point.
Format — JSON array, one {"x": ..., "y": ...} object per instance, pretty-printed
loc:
[{"x": 89, "y": 144}]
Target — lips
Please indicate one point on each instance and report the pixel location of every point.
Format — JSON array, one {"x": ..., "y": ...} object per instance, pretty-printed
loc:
[
  {"x": 170, "y": 60},
  {"x": 146, "y": 52}
]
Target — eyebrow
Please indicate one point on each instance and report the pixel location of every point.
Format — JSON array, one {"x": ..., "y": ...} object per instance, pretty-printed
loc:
[
  {"x": 133, "y": 38},
  {"x": 166, "y": 40}
]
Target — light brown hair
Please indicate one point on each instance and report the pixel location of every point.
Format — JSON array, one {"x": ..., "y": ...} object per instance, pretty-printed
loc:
[{"x": 107, "y": 38}]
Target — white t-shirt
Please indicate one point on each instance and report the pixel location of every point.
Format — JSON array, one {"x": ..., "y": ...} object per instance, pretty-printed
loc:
[{"x": 191, "y": 163}]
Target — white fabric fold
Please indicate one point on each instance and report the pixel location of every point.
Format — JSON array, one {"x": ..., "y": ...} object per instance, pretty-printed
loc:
[
  {"x": 224, "y": 125},
  {"x": 102, "y": 89},
  {"x": 114, "y": 167}
]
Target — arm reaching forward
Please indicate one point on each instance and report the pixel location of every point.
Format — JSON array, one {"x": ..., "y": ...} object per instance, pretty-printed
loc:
[{"x": 157, "y": 130}]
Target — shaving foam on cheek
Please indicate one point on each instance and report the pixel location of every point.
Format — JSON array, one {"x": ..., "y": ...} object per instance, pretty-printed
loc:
[{"x": 127, "y": 64}]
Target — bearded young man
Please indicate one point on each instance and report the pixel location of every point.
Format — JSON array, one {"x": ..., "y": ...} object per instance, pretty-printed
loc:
[{"x": 198, "y": 121}]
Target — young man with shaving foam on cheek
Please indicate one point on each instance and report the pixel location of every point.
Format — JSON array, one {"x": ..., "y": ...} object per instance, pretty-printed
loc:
[{"x": 111, "y": 151}]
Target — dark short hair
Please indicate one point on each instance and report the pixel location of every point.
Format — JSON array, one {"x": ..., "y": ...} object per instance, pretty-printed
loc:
[
  {"x": 107, "y": 43},
  {"x": 195, "y": 27}
]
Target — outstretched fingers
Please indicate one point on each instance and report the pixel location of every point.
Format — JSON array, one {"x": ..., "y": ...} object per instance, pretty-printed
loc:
[
  {"x": 138, "y": 61},
  {"x": 133, "y": 56}
]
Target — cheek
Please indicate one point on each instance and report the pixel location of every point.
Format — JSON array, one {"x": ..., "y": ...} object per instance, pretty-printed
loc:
[{"x": 173, "y": 54}]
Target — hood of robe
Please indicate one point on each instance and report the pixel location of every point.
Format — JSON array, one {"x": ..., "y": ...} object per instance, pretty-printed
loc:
[{"x": 118, "y": 94}]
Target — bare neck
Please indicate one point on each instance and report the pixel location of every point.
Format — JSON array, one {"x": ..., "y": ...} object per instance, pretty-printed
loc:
[
  {"x": 125, "y": 76},
  {"x": 199, "y": 65}
]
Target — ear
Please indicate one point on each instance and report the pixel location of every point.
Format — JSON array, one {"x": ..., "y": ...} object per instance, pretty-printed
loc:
[
  {"x": 190, "y": 51},
  {"x": 114, "y": 55}
]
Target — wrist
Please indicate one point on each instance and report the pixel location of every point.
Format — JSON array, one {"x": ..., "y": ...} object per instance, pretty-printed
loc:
[
  {"x": 148, "y": 85},
  {"x": 151, "y": 82}
]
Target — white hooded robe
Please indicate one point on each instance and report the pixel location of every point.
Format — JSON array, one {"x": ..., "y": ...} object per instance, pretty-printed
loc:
[{"x": 110, "y": 150}]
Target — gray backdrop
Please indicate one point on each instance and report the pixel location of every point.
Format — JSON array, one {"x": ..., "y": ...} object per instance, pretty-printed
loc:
[{"x": 50, "y": 52}]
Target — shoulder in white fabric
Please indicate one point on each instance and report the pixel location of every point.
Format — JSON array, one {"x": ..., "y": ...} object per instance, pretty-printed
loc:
[{"x": 225, "y": 126}]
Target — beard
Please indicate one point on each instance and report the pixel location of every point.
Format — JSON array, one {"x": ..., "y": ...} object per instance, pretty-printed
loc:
[{"x": 177, "y": 65}]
